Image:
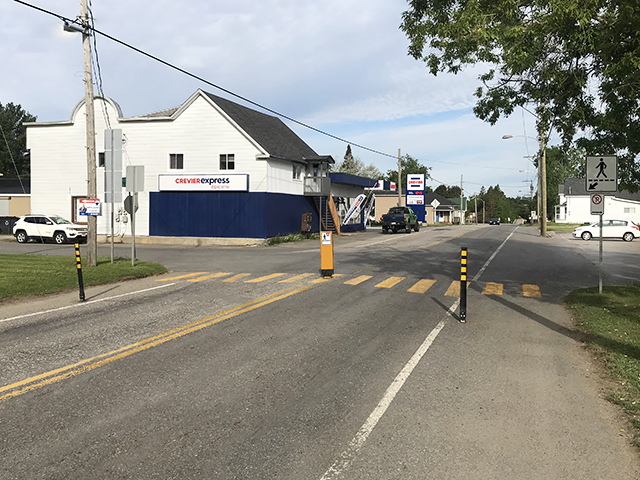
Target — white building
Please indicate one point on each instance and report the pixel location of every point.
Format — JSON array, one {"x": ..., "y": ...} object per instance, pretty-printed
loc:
[
  {"x": 575, "y": 204},
  {"x": 213, "y": 168}
]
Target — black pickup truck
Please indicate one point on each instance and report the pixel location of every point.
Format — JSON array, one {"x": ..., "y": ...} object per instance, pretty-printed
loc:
[{"x": 400, "y": 218}]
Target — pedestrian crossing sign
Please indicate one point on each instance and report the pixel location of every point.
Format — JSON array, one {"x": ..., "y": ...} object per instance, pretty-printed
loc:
[{"x": 602, "y": 174}]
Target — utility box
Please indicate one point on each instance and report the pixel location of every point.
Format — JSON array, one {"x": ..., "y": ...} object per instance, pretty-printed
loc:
[{"x": 307, "y": 223}]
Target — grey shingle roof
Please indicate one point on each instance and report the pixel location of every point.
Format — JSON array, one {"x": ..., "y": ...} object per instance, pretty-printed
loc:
[
  {"x": 270, "y": 132},
  {"x": 577, "y": 186},
  {"x": 15, "y": 186}
]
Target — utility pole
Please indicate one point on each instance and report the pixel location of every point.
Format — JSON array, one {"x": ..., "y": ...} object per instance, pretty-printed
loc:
[
  {"x": 92, "y": 192},
  {"x": 543, "y": 184},
  {"x": 461, "y": 198},
  {"x": 475, "y": 203},
  {"x": 399, "y": 185}
]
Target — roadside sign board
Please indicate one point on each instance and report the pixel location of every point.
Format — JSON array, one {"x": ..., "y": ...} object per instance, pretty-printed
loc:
[
  {"x": 89, "y": 207},
  {"x": 597, "y": 204},
  {"x": 602, "y": 174}
]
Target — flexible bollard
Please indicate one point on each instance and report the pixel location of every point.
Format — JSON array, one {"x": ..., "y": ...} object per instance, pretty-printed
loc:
[
  {"x": 463, "y": 285},
  {"x": 79, "y": 268}
]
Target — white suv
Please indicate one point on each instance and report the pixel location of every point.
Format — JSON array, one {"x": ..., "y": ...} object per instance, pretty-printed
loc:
[{"x": 48, "y": 227}]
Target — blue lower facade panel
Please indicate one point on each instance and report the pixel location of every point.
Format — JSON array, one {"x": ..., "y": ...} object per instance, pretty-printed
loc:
[{"x": 227, "y": 214}]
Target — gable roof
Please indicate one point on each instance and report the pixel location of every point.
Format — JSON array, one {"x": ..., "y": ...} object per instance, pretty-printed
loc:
[
  {"x": 578, "y": 186},
  {"x": 270, "y": 132},
  {"x": 444, "y": 202}
]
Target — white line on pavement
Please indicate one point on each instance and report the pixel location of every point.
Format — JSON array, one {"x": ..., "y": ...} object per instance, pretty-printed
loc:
[
  {"x": 84, "y": 303},
  {"x": 361, "y": 437}
]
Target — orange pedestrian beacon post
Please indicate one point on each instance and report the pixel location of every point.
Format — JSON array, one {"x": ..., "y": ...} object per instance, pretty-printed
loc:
[{"x": 326, "y": 254}]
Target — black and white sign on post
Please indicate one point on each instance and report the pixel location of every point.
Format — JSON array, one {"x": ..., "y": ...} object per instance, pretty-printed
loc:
[
  {"x": 602, "y": 174},
  {"x": 597, "y": 204},
  {"x": 134, "y": 184}
]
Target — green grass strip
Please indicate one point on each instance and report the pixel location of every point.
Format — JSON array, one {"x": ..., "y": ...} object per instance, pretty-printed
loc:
[
  {"x": 23, "y": 275},
  {"x": 611, "y": 324}
]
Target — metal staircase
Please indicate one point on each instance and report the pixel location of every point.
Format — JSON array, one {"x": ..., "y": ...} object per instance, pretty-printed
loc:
[{"x": 331, "y": 219}]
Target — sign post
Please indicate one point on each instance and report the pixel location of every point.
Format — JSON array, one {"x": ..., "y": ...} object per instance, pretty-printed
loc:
[
  {"x": 602, "y": 176},
  {"x": 135, "y": 184}
]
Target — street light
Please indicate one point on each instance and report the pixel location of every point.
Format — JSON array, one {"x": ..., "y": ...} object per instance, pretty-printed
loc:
[{"x": 542, "y": 181}]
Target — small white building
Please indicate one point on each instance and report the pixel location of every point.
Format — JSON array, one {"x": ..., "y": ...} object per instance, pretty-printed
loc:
[
  {"x": 213, "y": 168},
  {"x": 575, "y": 204}
]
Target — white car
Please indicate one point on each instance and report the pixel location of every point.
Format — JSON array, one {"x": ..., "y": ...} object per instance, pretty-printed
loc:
[
  {"x": 48, "y": 227},
  {"x": 624, "y": 229}
]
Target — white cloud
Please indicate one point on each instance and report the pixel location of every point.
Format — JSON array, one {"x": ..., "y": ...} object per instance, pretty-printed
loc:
[{"x": 340, "y": 66}]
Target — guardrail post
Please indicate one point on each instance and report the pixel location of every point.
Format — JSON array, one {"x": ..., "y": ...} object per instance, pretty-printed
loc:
[
  {"x": 463, "y": 285},
  {"x": 79, "y": 268}
]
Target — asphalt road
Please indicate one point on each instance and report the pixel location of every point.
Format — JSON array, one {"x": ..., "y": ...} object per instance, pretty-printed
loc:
[{"x": 241, "y": 364}]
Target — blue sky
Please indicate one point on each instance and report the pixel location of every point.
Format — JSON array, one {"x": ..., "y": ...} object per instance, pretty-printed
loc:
[{"x": 339, "y": 66}]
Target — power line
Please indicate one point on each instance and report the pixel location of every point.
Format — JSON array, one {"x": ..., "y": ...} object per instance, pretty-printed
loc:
[{"x": 91, "y": 26}]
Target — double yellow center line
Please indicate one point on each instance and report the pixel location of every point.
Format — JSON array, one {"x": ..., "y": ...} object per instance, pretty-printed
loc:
[{"x": 52, "y": 376}]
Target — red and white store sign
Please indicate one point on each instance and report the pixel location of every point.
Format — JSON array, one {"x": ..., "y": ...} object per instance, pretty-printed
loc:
[{"x": 207, "y": 183}]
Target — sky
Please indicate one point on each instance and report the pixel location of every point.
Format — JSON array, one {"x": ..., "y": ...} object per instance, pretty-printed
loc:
[{"x": 340, "y": 66}]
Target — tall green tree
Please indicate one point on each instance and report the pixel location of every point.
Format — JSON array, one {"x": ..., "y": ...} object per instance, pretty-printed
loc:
[
  {"x": 354, "y": 166},
  {"x": 562, "y": 163},
  {"x": 14, "y": 158},
  {"x": 577, "y": 60},
  {"x": 448, "y": 191}
]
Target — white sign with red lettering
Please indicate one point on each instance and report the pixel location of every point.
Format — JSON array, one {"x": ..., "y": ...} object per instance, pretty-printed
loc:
[
  {"x": 415, "y": 181},
  {"x": 203, "y": 182}
]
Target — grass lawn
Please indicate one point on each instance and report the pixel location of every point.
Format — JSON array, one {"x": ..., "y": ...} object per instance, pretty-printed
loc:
[
  {"x": 611, "y": 324},
  {"x": 23, "y": 275},
  {"x": 563, "y": 227}
]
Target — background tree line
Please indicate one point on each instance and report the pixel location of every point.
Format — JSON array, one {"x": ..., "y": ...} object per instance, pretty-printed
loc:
[{"x": 14, "y": 158}]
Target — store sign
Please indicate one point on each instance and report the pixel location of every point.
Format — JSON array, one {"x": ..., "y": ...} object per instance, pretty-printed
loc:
[
  {"x": 415, "y": 181},
  {"x": 415, "y": 199},
  {"x": 206, "y": 183}
]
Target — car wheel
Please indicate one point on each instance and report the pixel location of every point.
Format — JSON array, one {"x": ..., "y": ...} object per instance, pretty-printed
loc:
[
  {"x": 586, "y": 236},
  {"x": 627, "y": 237},
  {"x": 60, "y": 238},
  {"x": 417, "y": 229},
  {"x": 385, "y": 230},
  {"x": 408, "y": 228},
  {"x": 21, "y": 236}
]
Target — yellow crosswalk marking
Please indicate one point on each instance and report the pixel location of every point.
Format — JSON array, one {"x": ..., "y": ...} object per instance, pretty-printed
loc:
[
  {"x": 531, "y": 291},
  {"x": 358, "y": 280},
  {"x": 266, "y": 277},
  {"x": 493, "y": 289},
  {"x": 297, "y": 278},
  {"x": 181, "y": 276},
  {"x": 209, "y": 277},
  {"x": 454, "y": 289},
  {"x": 390, "y": 282},
  {"x": 235, "y": 278},
  {"x": 422, "y": 286}
]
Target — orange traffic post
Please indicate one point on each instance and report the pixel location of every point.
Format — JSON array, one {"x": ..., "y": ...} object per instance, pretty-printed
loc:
[
  {"x": 79, "y": 268},
  {"x": 326, "y": 254}
]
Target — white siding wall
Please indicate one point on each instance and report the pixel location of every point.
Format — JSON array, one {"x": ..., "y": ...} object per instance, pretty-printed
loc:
[
  {"x": 200, "y": 133},
  {"x": 280, "y": 178},
  {"x": 579, "y": 209}
]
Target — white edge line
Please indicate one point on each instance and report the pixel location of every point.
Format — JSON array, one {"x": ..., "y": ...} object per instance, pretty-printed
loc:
[
  {"x": 363, "y": 434},
  {"x": 486, "y": 264},
  {"x": 86, "y": 303}
]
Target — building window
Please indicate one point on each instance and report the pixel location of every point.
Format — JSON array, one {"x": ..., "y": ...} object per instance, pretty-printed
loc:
[
  {"x": 176, "y": 161},
  {"x": 297, "y": 172},
  {"x": 101, "y": 159},
  {"x": 227, "y": 161},
  {"x": 629, "y": 209}
]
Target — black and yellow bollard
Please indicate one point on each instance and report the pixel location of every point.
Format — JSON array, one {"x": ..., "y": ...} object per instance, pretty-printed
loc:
[
  {"x": 463, "y": 285},
  {"x": 79, "y": 268}
]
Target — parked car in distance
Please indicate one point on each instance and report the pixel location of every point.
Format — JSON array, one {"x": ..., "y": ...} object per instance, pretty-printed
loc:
[
  {"x": 494, "y": 221},
  {"x": 400, "y": 218},
  {"x": 624, "y": 229},
  {"x": 48, "y": 228}
]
